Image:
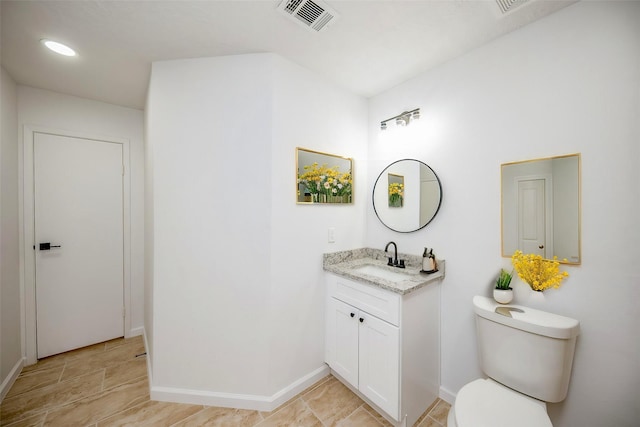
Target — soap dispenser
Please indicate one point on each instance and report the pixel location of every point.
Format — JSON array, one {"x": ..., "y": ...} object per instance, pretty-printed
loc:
[
  {"x": 425, "y": 260},
  {"x": 429, "y": 263},
  {"x": 433, "y": 264}
]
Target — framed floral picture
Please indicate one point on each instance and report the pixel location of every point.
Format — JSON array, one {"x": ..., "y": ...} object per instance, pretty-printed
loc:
[
  {"x": 323, "y": 178},
  {"x": 396, "y": 190}
]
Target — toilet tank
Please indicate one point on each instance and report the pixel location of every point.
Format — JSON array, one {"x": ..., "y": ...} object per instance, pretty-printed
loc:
[{"x": 528, "y": 350}]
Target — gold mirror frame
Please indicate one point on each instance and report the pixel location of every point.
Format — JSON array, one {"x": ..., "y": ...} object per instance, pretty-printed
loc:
[
  {"x": 540, "y": 207},
  {"x": 323, "y": 178}
]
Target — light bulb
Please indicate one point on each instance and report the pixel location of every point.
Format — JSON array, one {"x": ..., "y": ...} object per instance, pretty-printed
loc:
[{"x": 58, "y": 47}]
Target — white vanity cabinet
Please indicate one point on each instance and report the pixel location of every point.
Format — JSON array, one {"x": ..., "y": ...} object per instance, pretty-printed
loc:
[
  {"x": 385, "y": 345},
  {"x": 364, "y": 352}
]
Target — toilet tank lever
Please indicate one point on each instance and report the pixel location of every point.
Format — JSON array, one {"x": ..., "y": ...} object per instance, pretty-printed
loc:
[{"x": 506, "y": 311}]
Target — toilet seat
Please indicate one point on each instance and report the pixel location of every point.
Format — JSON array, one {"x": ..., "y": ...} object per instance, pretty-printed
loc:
[{"x": 486, "y": 403}]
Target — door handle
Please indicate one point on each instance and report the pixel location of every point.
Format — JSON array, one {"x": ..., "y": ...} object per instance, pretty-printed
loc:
[{"x": 47, "y": 246}]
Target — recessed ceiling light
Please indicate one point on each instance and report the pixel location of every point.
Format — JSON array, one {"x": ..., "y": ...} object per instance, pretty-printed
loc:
[{"x": 58, "y": 47}]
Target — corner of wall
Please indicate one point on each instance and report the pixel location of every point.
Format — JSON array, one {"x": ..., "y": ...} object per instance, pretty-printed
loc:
[
  {"x": 11, "y": 378},
  {"x": 11, "y": 333},
  {"x": 447, "y": 395}
]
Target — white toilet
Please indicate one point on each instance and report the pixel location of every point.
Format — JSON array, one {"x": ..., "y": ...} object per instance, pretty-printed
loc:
[{"x": 527, "y": 355}]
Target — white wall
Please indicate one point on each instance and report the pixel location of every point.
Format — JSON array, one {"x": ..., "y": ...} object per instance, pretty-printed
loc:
[
  {"x": 148, "y": 244},
  {"x": 568, "y": 83},
  {"x": 310, "y": 113},
  {"x": 53, "y": 110},
  {"x": 209, "y": 132},
  {"x": 10, "y": 334},
  {"x": 237, "y": 288}
]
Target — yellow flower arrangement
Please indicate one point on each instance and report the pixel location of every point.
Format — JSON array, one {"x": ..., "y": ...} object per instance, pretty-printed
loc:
[
  {"x": 537, "y": 272},
  {"x": 325, "y": 180},
  {"x": 396, "y": 194}
]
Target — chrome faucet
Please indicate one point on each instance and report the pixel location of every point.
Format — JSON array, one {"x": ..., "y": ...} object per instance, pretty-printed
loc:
[{"x": 395, "y": 262}]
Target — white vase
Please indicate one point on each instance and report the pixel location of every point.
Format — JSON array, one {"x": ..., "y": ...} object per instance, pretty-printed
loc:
[
  {"x": 535, "y": 298},
  {"x": 503, "y": 296}
]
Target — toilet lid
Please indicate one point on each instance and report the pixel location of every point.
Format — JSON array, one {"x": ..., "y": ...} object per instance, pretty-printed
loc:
[{"x": 485, "y": 403}]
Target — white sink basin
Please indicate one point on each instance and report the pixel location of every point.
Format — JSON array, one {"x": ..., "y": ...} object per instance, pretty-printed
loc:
[{"x": 382, "y": 273}]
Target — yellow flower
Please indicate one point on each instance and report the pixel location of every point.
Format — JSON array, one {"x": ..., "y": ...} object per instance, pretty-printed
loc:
[
  {"x": 325, "y": 180},
  {"x": 396, "y": 188},
  {"x": 396, "y": 193},
  {"x": 537, "y": 272}
]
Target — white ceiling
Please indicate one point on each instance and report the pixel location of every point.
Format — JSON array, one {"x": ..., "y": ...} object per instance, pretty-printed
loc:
[{"x": 373, "y": 46}]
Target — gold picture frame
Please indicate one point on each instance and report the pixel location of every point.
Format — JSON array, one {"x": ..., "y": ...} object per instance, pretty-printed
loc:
[{"x": 323, "y": 178}]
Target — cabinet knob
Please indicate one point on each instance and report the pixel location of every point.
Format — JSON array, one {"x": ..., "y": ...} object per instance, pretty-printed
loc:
[
  {"x": 361, "y": 320},
  {"x": 353, "y": 314}
]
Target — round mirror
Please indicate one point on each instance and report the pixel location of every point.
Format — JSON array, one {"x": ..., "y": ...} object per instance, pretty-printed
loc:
[{"x": 407, "y": 195}]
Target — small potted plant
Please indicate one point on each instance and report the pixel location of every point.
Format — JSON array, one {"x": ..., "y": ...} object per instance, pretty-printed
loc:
[{"x": 503, "y": 293}]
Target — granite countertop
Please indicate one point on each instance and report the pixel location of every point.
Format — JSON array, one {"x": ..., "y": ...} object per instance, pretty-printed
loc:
[{"x": 346, "y": 264}]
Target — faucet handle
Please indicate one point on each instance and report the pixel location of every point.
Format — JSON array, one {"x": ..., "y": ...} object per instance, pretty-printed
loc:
[
  {"x": 390, "y": 261},
  {"x": 401, "y": 265}
]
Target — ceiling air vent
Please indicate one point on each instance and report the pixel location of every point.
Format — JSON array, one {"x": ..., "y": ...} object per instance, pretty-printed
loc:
[
  {"x": 508, "y": 5},
  {"x": 313, "y": 14}
]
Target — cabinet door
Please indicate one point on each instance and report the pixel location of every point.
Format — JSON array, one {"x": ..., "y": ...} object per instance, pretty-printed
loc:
[
  {"x": 379, "y": 353},
  {"x": 342, "y": 340}
]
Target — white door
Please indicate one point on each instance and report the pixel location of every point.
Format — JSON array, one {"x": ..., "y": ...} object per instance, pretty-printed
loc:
[
  {"x": 343, "y": 340},
  {"x": 379, "y": 363},
  {"x": 531, "y": 217},
  {"x": 78, "y": 211}
]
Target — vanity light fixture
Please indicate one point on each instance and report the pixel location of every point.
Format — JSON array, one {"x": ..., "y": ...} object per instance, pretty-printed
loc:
[
  {"x": 58, "y": 47},
  {"x": 402, "y": 119}
]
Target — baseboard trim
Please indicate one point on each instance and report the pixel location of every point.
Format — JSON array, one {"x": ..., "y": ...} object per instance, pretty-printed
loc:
[
  {"x": 241, "y": 401},
  {"x": 298, "y": 386},
  {"x": 447, "y": 395},
  {"x": 134, "y": 332},
  {"x": 11, "y": 378},
  {"x": 230, "y": 400},
  {"x": 146, "y": 348}
]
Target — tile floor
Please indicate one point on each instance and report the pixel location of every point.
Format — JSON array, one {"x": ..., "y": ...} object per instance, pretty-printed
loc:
[{"x": 106, "y": 385}]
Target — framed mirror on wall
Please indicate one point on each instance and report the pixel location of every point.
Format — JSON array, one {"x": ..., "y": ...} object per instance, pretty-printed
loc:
[
  {"x": 540, "y": 207},
  {"x": 323, "y": 178},
  {"x": 407, "y": 195}
]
